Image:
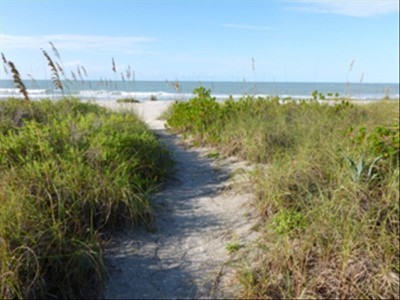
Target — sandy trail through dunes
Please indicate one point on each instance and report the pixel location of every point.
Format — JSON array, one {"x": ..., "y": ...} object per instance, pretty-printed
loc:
[{"x": 197, "y": 214}]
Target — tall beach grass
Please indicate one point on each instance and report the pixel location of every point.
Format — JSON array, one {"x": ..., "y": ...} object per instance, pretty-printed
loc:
[{"x": 329, "y": 197}]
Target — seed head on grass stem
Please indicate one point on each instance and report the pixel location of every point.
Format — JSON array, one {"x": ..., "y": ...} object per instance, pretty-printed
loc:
[
  {"x": 55, "y": 51},
  {"x": 55, "y": 77},
  {"x": 73, "y": 76},
  {"x": 17, "y": 80},
  {"x": 84, "y": 71},
  {"x": 5, "y": 63},
  {"x": 114, "y": 69}
]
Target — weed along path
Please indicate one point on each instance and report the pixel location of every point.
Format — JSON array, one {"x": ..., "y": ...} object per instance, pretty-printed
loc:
[{"x": 199, "y": 221}]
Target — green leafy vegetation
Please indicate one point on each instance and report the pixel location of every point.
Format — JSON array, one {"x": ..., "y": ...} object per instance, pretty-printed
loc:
[
  {"x": 127, "y": 100},
  {"x": 213, "y": 154},
  {"x": 232, "y": 247},
  {"x": 69, "y": 171},
  {"x": 329, "y": 199},
  {"x": 286, "y": 221},
  {"x": 329, "y": 96}
]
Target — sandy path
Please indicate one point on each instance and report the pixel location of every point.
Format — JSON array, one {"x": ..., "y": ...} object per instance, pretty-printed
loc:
[{"x": 196, "y": 216}]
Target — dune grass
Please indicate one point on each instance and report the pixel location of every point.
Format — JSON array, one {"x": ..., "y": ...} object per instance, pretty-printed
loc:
[
  {"x": 329, "y": 199},
  {"x": 69, "y": 171}
]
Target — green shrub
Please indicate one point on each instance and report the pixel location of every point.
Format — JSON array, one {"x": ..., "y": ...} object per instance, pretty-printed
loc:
[
  {"x": 285, "y": 221},
  {"x": 195, "y": 116},
  {"x": 68, "y": 171},
  {"x": 127, "y": 100}
]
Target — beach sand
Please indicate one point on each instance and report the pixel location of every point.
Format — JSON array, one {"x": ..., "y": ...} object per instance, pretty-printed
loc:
[
  {"x": 198, "y": 212},
  {"x": 148, "y": 111}
]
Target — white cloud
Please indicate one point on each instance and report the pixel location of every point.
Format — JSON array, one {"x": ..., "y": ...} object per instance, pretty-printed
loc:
[
  {"x": 247, "y": 27},
  {"x": 74, "y": 42},
  {"x": 355, "y": 8}
]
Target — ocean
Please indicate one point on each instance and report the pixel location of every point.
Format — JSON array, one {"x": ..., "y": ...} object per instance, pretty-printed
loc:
[{"x": 174, "y": 90}]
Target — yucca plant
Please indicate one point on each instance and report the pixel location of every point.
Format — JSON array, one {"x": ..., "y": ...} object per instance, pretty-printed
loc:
[{"x": 363, "y": 171}]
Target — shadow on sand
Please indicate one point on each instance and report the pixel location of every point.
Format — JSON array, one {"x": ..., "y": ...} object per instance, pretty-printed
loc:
[{"x": 174, "y": 261}]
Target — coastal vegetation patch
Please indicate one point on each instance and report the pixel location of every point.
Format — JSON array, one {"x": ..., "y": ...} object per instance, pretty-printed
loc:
[
  {"x": 329, "y": 199},
  {"x": 69, "y": 172}
]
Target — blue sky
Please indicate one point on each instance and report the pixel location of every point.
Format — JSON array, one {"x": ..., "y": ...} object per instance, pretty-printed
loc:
[{"x": 304, "y": 41}]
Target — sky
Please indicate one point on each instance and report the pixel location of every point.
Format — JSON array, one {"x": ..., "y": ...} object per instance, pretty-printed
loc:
[{"x": 272, "y": 41}]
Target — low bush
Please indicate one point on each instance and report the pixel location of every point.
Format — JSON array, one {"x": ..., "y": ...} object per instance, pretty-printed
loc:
[{"x": 127, "y": 100}]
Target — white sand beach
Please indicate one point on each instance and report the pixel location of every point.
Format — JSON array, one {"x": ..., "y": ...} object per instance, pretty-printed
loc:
[{"x": 148, "y": 111}]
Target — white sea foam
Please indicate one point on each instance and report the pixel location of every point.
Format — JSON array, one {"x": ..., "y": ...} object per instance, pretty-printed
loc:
[
  {"x": 36, "y": 91},
  {"x": 14, "y": 92},
  {"x": 141, "y": 96},
  {"x": 144, "y": 91}
]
